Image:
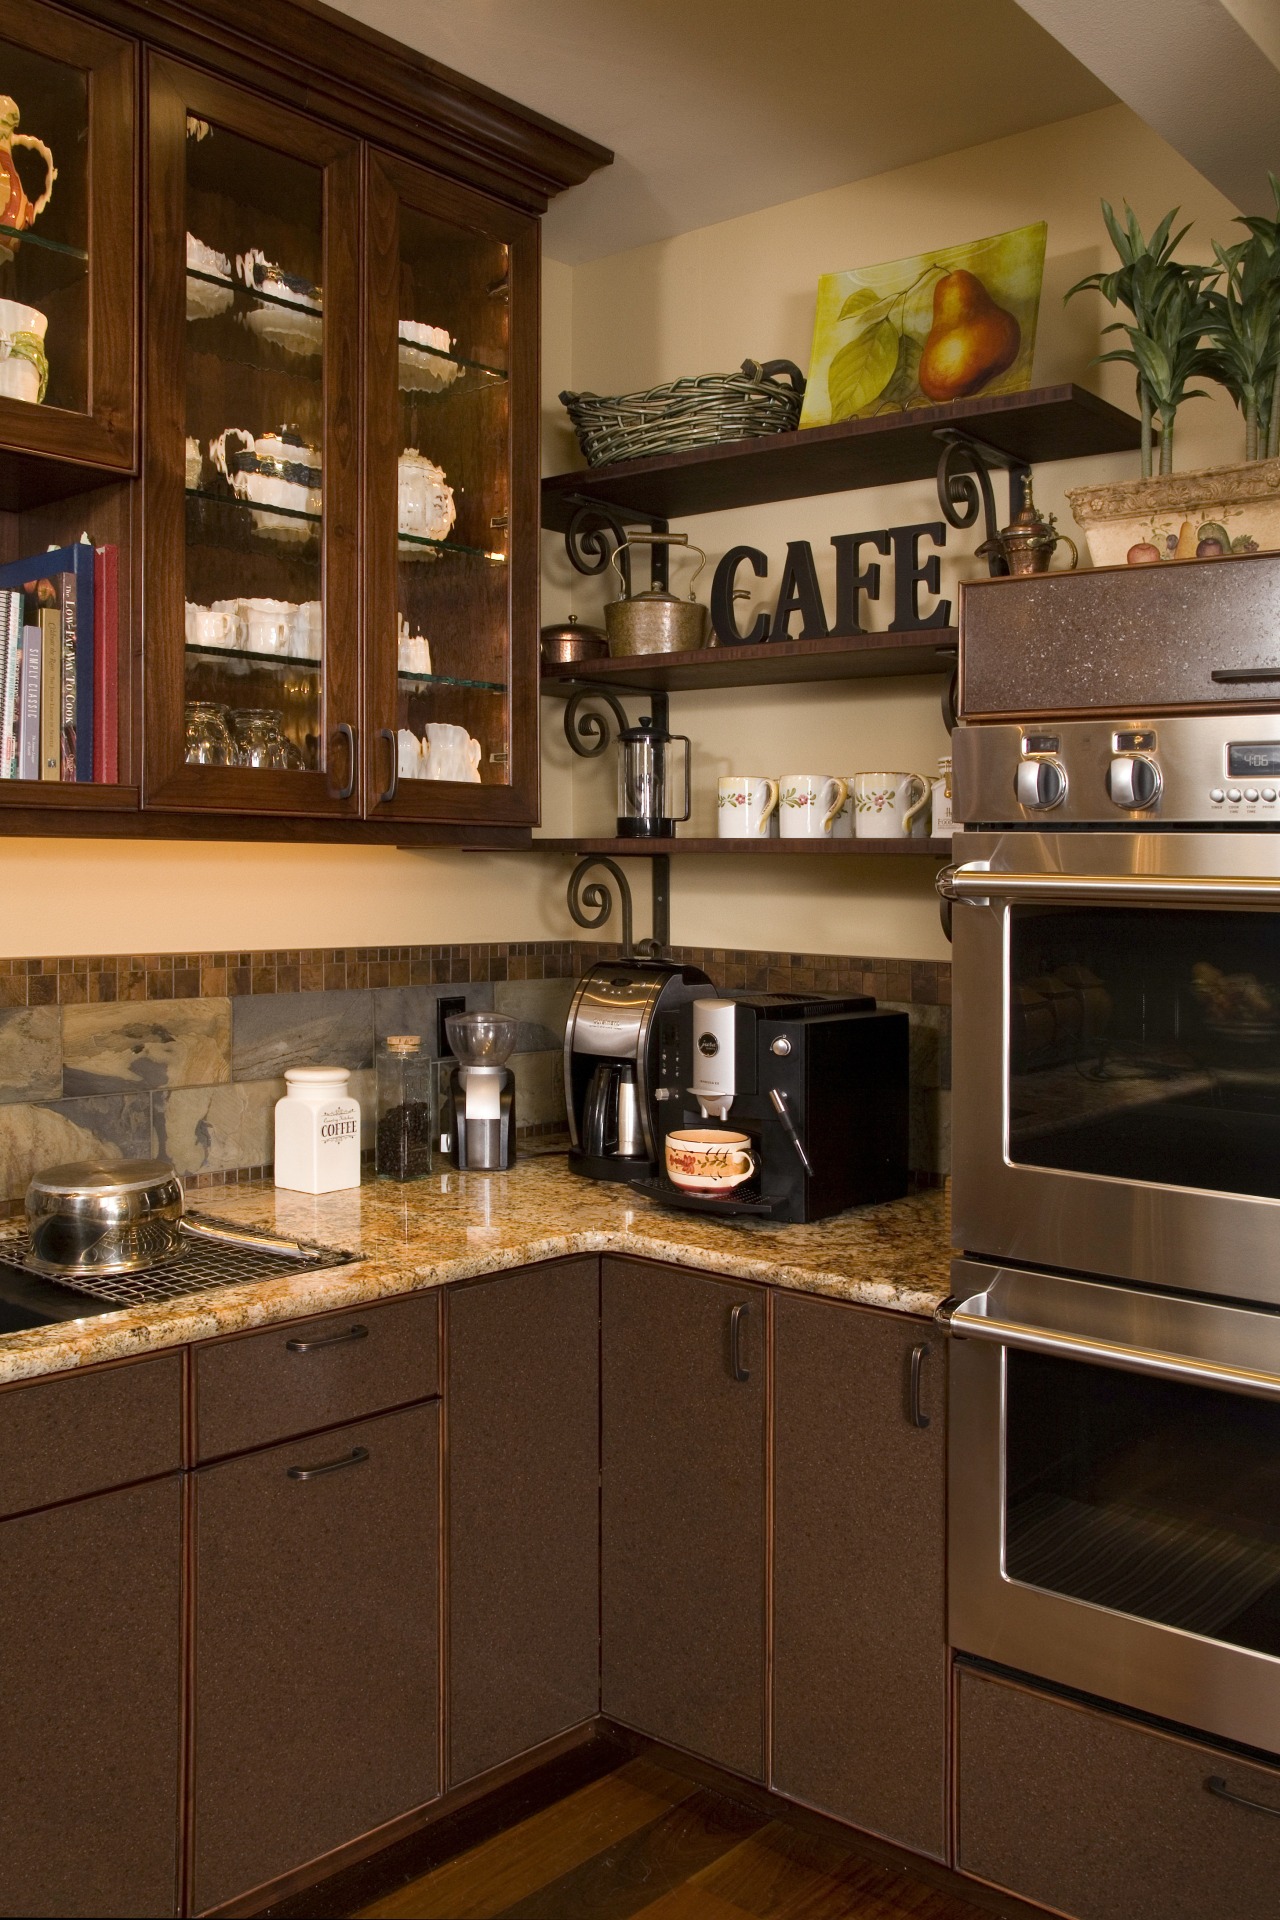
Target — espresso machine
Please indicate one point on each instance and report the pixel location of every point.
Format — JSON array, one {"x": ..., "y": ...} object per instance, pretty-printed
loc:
[
  {"x": 610, "y": 1057},
  {"x": 817, "y": 1082},
  {"x": 480, "y": 1115}
]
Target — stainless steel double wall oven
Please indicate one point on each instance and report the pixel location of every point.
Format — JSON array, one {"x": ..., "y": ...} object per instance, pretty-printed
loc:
[{"x": 1115, "y": 1370}]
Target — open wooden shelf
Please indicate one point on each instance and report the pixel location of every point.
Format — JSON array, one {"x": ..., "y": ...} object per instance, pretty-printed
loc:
[
  {"x": 825, "y": 849},
  {"x": 1049, "y": 423},
  {"x": 861, "y": 656}
]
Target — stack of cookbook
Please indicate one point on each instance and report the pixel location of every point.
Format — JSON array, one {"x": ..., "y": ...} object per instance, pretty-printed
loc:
[{"x": 59, "y": 665}]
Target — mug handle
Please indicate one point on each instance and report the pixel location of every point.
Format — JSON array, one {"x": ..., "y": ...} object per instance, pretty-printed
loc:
[
  {"x": 50, "y": 171},
  {"x": 218, "y": 447},
  {"x": 914, "y": 811},
  {"x": 842, "y": 790},
  {"x": 771, "y": 808}
]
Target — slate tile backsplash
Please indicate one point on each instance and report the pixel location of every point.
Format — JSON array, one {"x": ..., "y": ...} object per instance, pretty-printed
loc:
[{"x": 184, "y": 1054}]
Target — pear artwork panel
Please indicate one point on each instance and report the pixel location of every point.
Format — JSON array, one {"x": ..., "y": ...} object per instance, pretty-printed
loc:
[{"x": 934, "y": 327}]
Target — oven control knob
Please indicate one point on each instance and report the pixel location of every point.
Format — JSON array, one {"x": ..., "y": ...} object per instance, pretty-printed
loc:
[
  {"x": 1040, "y": 784},
  {"x": 1134, "y": 781}
]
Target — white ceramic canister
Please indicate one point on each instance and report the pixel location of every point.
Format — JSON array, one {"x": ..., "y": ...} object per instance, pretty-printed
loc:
[{"x": 317, "y": 1132}]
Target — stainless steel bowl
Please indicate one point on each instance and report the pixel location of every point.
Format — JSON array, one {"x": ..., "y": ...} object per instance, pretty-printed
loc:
[{"x": 88, "y": 1219}]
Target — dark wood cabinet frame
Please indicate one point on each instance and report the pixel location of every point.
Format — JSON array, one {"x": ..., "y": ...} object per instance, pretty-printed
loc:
[
  {"x": 173, "y": 92},
  {"x": 46, "y": 452},
  {"x": 391, "y": 182}
]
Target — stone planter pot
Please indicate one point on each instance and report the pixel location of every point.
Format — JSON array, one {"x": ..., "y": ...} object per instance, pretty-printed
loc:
[{"x": 1181, "y": 516}]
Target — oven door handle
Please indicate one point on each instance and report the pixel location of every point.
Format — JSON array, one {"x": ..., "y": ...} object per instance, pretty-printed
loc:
[
  {"x": 981, "y": 1318},
  {"x": 976, "y": 885}
]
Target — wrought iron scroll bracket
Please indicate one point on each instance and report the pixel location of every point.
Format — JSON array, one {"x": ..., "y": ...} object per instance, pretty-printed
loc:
[
  {"x": 592, "y": 904},
  {"x": 598, "y": 528},
  {"x": 964, "y": 485},
  {"x": 587, "y": 732}
]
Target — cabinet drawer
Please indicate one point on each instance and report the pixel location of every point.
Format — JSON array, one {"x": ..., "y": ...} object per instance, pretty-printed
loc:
[
  {"x": 304, "y": 1374},
  {"x": 1103, "y": 1819},
  {"x": 84, "y": 1432}
]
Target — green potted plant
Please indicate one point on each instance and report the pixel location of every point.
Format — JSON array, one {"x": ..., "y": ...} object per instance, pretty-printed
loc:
[
  {"x": 1189, "y": 321},
  {"x": 1243, "y": 329}
]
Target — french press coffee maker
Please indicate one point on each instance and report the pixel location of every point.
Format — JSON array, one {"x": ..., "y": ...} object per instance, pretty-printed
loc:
[{"x": 646, "y": 788}]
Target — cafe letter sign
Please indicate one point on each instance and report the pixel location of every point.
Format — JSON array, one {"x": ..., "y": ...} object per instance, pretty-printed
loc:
[{"x": 799, "y": 593}]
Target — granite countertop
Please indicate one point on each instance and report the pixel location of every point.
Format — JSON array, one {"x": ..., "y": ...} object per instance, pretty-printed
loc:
[{"x": 454, "y": 1226}]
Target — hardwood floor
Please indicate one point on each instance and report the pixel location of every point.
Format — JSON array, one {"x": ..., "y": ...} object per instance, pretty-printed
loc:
[{"x": 642, "y": 1840}]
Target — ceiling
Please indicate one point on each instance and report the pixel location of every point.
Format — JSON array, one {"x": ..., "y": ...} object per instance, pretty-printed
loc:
[{"x": 716, "y": 108}]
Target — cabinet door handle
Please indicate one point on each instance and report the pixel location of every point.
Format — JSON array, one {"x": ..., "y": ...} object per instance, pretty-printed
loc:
[
  {"x": 327, "y": 1340},
  {"x": 389, "y": 793},
  {"x": 352, "y": 1459},
  {"x": 737, "y": 1322},
  {"x": 919, "y": 1418},
  {"x": 344, "y": 731},
  {"x": 1216, "y": 1784}
]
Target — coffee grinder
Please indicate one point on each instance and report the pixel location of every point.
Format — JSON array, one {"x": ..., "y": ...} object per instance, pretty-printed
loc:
[
  {"x": 480, "y": 1117},
  {"x": 818, "y": 1083}
]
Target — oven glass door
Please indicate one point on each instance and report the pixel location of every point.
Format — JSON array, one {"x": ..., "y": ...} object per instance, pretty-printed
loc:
[
  {"x": 1154, "y": 1498},
  {"x": 1144, "y": 1045}
]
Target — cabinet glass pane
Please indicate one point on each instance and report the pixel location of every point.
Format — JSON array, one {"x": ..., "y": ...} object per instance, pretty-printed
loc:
[
  {"x": 453, "y": 504},
  {"x": 254, "y": 453},
  {"x": 44, "y": 258}
]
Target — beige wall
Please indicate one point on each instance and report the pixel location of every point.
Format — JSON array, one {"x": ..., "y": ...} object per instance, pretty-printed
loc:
[
  {"x": 706, "y": 301},
  {"x": 703, "y": 301}
]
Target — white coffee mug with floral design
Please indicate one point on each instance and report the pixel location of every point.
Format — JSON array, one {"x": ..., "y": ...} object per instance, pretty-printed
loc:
[
  {"x": 889, "y": 806},
  {"x": 746, "y": 806},
  {"x": 809, "y": 804}
]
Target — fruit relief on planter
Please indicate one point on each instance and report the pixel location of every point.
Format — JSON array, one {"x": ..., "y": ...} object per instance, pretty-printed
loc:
[
  {"x": 317, "y": 1132},
  {"x": 402, "y": 1144}
]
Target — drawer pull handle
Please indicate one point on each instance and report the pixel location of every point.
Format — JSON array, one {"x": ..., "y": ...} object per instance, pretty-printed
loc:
[
  {"x": 1216, "y": 1784},
  {"x": 919, "y": 1418},
  {"x": 352, "y": 1459},
  {"x": 327, "y": 1340},
  {"x": 737, "y": 1322}
]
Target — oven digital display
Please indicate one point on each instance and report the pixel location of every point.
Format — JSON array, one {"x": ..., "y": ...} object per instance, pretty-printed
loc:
[{"x": 1245, "y": 757}]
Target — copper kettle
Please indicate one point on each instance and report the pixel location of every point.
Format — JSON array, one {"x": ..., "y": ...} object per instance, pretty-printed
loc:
[{"x": 1028, "y": 543}]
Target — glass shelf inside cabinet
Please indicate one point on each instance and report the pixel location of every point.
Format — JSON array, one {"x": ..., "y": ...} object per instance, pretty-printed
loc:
[
  {"x": 254, "y": 356},
  {"x": 453, "y": 578},
  {"x": 44, "y": 231}
]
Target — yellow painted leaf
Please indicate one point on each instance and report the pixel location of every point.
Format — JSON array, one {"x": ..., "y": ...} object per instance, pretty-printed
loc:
[
  {"x": 862, "y": 370},
  {"x": 859, "y": 305}
]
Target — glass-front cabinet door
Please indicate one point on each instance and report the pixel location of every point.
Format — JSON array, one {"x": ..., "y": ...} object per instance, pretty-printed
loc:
[
  {"x": 252, "y": 473},
  {"x": 452, "y": 514},
  {"x": 67, "y": 219}
]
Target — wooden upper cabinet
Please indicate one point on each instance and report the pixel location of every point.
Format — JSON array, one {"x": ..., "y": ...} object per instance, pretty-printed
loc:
[
  {"x": 859, "y": 1650},
  {"x": 68, "y": 280},
  {"x": 451, "y": 543},
  {"x": 683, "y": 1473},
  {"x": 251, "y": 597}
]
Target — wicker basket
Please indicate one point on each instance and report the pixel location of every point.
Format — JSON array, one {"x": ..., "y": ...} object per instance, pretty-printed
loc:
[{"x": 688, "y": 413}]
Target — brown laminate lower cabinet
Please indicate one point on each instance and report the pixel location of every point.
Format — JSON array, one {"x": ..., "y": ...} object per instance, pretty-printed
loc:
[
  {"x": 315, "y": 1645},
  {"x": 683, "y": 1390},
  {"x": 1101, "y": 1818},
  {"x": 90, "y": 1720},
  {"x": 860, "y": 1653},
  {"x": 523, "y": 1399}
]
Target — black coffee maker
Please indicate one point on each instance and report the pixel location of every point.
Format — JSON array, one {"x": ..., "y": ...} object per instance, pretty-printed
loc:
[{"x": 817, "y": 1082}]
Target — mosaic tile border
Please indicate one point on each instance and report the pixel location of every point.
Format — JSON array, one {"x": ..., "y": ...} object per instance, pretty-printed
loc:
[{"x": 64, "y": 981}]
